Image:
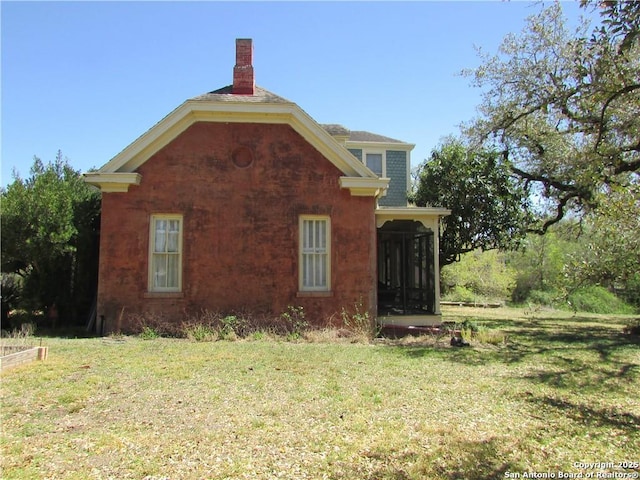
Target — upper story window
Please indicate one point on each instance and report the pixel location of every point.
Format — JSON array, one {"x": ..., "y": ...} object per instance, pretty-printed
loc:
[
  {"x": 165, "y": 253},
  {"x": 375, "y": 162}
]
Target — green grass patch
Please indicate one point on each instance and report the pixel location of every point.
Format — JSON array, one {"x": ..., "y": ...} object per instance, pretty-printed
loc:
[{"x": 561, "y": 389}]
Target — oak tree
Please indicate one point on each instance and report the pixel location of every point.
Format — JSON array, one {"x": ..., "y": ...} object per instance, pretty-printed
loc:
[
  {"x": 563, "y": 107},
  {"x": 488, "y": 205}
]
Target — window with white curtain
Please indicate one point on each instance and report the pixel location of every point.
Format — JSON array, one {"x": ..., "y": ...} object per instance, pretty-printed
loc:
[
  {"x": 315, "y": 253},
  {"x": 165, "y": 257}
]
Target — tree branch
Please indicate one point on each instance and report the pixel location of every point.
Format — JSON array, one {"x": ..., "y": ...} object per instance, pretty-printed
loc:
[
  {"x": 560, "y": 211},
  {"x": 529, "y": 177},
  {"x": 623, "y": 91}
]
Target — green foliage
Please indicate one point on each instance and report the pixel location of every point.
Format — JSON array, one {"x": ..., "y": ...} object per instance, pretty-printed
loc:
[
  {"x": 460, "y": 293},
  {"x": 470, "y": 325},
  {"x": 12, "y": 286},
  {"x": 564, "y": 107},
  {"x": 478, "y": 276},
  {"x": 609, "y": 253},
  {"x": 359, "y": 321},
  {"x": 295, "y": 322},
  {"x": 479, "y": 333},
  {"x": 548, "y": 298},
  {"x": 590, "y": 298},
  {"x": 201, "y": 333},
  {"x": 259, "y": 335},
  {"x": 231, "y": 327},
  {"x": 487, "y": 205},
  {"x": 467, "y": 330},
  {"x": 595, "y": 299},
  {"x": 541, "y": 264},
  {"x": 22, "y": 334},
  {"x": 149, "y": 333},
  {"x": 50, "y": 225},
  {"x": 620, "y": 21},
  {"x": 602, "y": 250}
]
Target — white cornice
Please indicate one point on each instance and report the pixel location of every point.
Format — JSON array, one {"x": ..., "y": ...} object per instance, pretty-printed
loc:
[
  {"x": 113, "y": 182},
  {"x": 365, "y": 187}
]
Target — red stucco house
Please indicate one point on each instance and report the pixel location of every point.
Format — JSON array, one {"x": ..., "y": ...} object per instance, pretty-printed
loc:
[{"x": 239, "y": 201}]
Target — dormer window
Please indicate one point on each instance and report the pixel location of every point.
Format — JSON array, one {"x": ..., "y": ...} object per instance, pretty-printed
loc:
[{"x": 375, "y": 162}]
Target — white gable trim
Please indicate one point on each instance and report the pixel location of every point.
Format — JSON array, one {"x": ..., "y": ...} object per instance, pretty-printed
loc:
[{"x": 192, "y": 111}]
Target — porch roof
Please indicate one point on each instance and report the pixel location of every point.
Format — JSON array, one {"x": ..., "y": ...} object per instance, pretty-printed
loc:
[{"x": 428, "y": 216}]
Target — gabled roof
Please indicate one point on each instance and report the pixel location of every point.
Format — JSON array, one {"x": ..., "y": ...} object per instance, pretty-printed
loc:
[
  {"x": 224, "y": 95},
  {"x": 223, "y": 106},
  {"x": 361, "y": 138},
  {"x": 335, "y": 129}
]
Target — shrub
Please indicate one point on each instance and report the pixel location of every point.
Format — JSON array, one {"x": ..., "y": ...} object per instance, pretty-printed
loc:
[
  {"x": 359, "y": 321},
  {"x": 12, "y": 285},
  {"x": 231, "y": 327},
  {"x": 258, "y": 335},
  {"x": 462, "y": 294},
  {"x": 201, "y": 333},
  {"x": 595, "y": 299},
  {"x": 478, "y": 276},
  {"x": 470, "y": 330},
  {"x": 471, "y": 325},
  {"x": 148, "y": 333},
  {"x": 544, "y": 298},
  {"x": 489, "y": 336},
  {"x": 146, "y": 322},
  {"x": 295, "y": 322},
  {"x": 22, "y": 335}
]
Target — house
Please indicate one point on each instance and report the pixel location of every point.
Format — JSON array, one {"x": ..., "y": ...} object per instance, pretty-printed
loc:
[{"x": 239, "y": 201}]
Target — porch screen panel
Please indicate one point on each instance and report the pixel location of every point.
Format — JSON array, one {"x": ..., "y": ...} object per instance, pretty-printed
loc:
[
  {"x": 315, "y": 254},
  {"x": 165, "y": 256}
]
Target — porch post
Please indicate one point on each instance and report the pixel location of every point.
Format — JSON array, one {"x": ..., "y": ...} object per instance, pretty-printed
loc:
[{"x": 436, "y": 266}]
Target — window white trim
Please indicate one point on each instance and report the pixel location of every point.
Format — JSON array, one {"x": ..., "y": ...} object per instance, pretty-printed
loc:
[
  {"x": 383, "y": 154},
  {"x": 165, "y": 253},
  {"x": 314, "y": 257}
]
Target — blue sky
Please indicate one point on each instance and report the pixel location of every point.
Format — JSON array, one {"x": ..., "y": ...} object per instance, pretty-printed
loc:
[{"x": 88, "y": 78}]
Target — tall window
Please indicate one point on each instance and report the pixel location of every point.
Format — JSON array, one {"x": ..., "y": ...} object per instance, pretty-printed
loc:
[
  {"x": 315, "y": 253},
  {"x": 374, "y": 162},
  {"x": 165, "y": 262}
]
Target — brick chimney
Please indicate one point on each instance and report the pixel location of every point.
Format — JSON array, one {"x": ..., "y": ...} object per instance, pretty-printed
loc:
[{"x": 243, "y": 80}]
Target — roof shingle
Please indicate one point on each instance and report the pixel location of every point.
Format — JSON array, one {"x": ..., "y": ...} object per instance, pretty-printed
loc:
[
  {"x": 357, "y": 135},
  {"x": 362, "y": 136},
  {"x": 224, "y": 95}
]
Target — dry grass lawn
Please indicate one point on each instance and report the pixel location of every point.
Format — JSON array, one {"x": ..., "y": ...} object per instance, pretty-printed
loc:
[{"x": 561, "y": 390}]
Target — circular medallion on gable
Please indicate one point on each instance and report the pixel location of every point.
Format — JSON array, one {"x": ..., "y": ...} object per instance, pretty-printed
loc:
[{"x": 242, "y": 157}]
